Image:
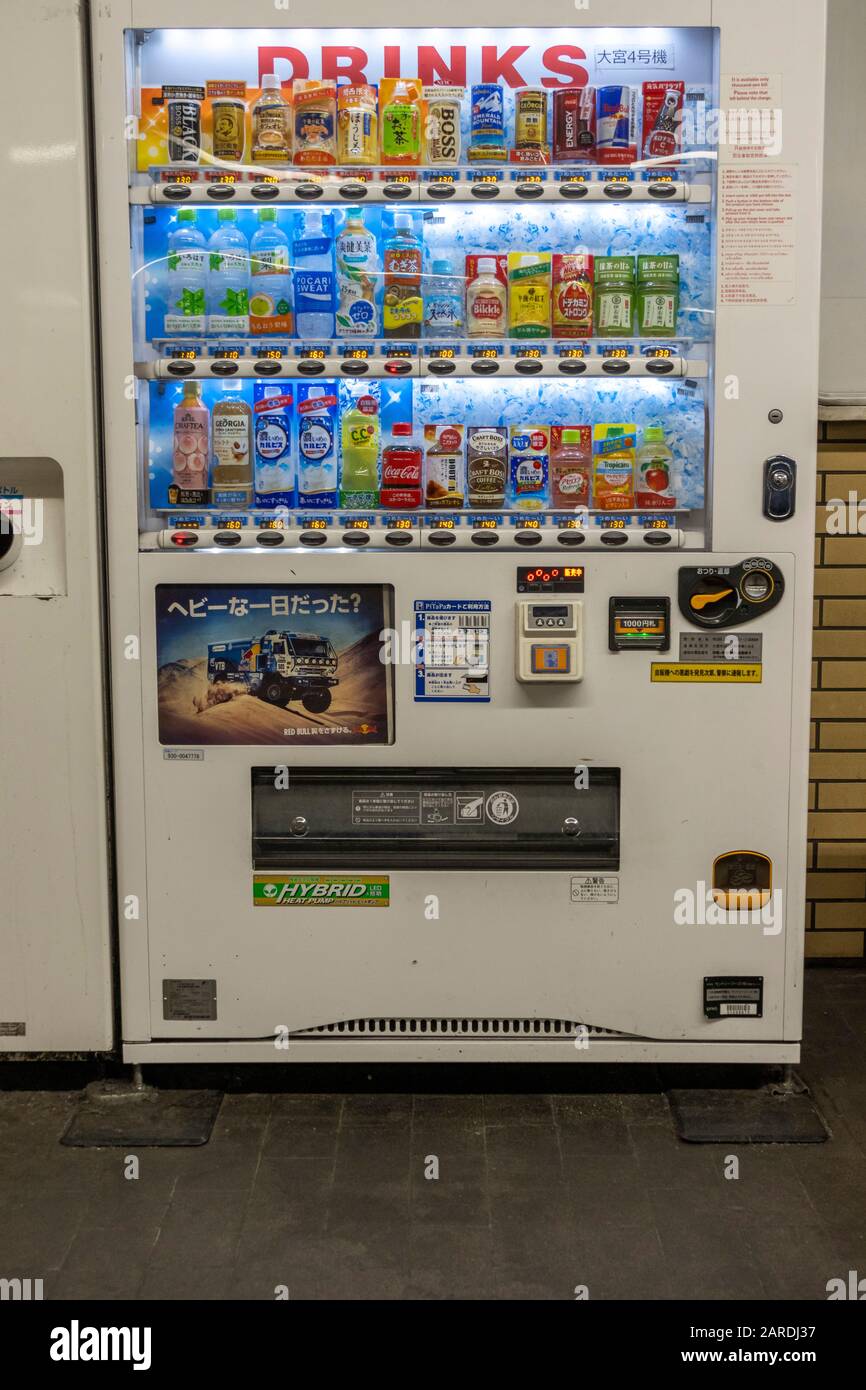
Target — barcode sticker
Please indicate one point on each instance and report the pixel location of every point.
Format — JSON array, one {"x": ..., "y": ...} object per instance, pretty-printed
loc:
[{"x": 733, "y": 996}]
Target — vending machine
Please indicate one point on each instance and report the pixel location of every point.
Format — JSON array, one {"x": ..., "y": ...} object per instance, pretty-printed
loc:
[{"x": 460, "y": 397}]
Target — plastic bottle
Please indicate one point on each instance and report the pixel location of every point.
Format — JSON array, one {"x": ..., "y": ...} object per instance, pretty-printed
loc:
[
  {"x": 653, "y": 470},
  {"x": 270, "y": 277},
  {"x": 228, "y": 290},
  {"x": 485, "y": 302},
  {"x": 272, "y": 124},
  {"x": 357, "y": 274},
  {"x": 443, "y": 302},
  {"x": 359, "y": 477},
  {"x": 232, "y": 443},
  {"x": 191, "y": 454},
  {"x": 187, "y": 276},
  {"x": 313, "y": 263},
  {"x": 400, "y": 124},
  {"x": 402, "y": 468},
  {"x": 403, "y": 305},
  {"x": 570, "y": 465}
]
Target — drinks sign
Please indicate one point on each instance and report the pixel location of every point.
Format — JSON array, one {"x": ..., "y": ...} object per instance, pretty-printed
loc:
[{"x": 547, "y": 58}]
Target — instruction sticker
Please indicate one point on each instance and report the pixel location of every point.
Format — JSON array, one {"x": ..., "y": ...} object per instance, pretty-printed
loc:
[
  {"x": 311, "y": 890},
  {"x": 721, "y": 646},
  {"x": 452, "y": 646},
  {"x": 691, "y": 672},
  {"x": 595, "y": 888},
  {"x": 733, "y": 996}
]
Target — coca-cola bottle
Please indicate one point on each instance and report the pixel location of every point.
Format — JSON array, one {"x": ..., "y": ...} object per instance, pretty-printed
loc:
[{"x": 401, "y": 469}]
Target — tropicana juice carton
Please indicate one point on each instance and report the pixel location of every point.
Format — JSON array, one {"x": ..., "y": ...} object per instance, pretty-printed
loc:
[{"x": 613, "y": 465}]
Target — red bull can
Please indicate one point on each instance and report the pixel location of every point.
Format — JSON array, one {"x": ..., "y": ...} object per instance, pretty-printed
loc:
[{"x": 616, "y": 125}]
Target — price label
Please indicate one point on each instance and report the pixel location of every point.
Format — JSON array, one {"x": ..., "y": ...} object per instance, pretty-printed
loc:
[
  {"x": 272, "y": 523},
  {"x": 485, "y": 523},
  {"x": 184, "y": 354},
  {"x": 358, "y": 523},
  {"x": 443, "y": 353},
  {"x": 616, "y": 352},
  {"x": 443, "y": 523},
  {"x": 528, "y": 523},
  {"x": 227, "y": 354},
  {"x": 399, "y": 523},
  {"x": 356, "y": 354},
  {"x": 272, "y": 354},
  {"x": 572, "y": 352}
]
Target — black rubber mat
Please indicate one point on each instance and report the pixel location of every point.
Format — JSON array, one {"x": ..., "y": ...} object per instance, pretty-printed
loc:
[
  {"x": 762, "y": 1115},
  {"x": 117, "y": 1116}
]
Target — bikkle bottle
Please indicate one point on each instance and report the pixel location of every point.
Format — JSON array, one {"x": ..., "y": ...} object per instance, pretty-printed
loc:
[{"x": 486, "y": 298}]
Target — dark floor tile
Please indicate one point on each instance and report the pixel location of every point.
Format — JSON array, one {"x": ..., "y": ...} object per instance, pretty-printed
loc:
[
  {"x": 314, "y": 1137},
  {"x": 433, "y": 1111},
  {"x": 187, "y": 1280},
  {"x": 447, "y": 1262},
  {"x": 326, "y": 1109},
  {"x": 106, "y": 1263},
  {"x": 199, "y": 1228},
  {"x": 377, "y": 1110},
  {"x": 532, "y": 1149},
  {"x": 450, "y": 1199},
  {"x": 517, "y": 1110},
  {"x": 292, "y": 1180}
]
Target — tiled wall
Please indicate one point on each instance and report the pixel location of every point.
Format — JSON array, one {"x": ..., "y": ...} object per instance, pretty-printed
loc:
[{"x": 836, "y": 884}]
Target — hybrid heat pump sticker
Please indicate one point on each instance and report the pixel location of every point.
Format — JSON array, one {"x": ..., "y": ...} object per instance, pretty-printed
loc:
[{"x": 297, "y": 665}]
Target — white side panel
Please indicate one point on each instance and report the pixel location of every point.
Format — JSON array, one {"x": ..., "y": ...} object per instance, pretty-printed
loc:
[
  {"x": 55, "y": 975},
  {"x": 843, "y": 283}
]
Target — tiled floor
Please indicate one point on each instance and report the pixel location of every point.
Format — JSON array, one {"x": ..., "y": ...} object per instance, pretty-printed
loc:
[{"x": 330, "y": 1196}]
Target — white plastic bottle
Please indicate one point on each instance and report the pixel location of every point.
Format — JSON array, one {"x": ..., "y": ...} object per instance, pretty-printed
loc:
[
  {"x": 186, "y": 268},
  {"x": 313, "y": 266},
  {"x": 357, "y": 276},
  {"x": 228, "y": 291}
]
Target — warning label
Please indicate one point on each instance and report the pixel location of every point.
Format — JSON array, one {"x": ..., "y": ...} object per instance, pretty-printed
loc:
[{"x": 685, "y": 672}]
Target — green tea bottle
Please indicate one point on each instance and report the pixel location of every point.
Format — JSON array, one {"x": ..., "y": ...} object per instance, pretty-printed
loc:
[
  {"x": 658, "y": 295},
  {"x": 614, "y": 296}
]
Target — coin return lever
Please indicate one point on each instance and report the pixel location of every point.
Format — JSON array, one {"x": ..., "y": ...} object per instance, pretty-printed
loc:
[{"x": 549, "y": 644}]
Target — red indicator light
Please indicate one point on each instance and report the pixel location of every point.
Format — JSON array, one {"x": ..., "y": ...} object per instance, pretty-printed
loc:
[{"x": 183, "y": 538}]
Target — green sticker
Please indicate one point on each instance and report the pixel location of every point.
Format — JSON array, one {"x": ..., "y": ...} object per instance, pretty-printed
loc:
[{"x": 312, "y": 890}]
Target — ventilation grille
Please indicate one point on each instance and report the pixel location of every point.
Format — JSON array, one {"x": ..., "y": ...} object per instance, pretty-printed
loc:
[{"x": 456, "y": 1028}]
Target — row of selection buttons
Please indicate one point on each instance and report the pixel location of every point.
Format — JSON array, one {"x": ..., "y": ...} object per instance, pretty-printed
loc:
[{"x": 436, "y": 538}]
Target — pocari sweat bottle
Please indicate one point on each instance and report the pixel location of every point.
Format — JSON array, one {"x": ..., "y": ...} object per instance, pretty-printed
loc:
[{"x": 313, "y": 264}]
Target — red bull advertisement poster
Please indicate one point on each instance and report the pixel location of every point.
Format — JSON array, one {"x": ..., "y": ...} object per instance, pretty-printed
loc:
[{"x": 294, "y": 665}]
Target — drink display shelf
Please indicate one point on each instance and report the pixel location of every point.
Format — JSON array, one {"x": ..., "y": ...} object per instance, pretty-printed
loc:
[
  {"x": 509, "y": 183},
  {"x": 424, "y": 531},
  {"x": 555, "y": 357}
]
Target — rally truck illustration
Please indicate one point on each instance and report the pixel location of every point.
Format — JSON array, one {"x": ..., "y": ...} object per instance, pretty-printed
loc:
[{"x": 278, "y": 668}]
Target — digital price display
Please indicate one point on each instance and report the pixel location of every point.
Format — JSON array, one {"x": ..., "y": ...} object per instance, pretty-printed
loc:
[{"x": 550, "y": 579}]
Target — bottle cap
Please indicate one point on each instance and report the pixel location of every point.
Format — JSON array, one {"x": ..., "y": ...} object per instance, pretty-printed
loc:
[
  {"x": 186, "y": 215},
  {"x": 312, "y": 220},
  {"x": 571, "y": 436},
  {"x": 654, "y": 434},
  {"x": 353, "y": 214},
  {"x": 401, "y": 428},
  {"x": 486, "y": 265},
  {"x": 443, "y": 267},
  {"x": 270, "y": 81},
  {"x": 265, "y": 214},
  {"x": 229, "y": 214},
  {"x": 402, "y": 221}
]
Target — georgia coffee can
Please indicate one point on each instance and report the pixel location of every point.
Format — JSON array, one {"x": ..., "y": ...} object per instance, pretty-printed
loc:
[{"x": 574, "y": 123}]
